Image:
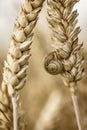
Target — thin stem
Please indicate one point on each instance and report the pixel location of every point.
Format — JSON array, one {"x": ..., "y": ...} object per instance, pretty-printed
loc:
[
  {"x": 76, "y": 109},
  {"x": 15, "y": 113}
]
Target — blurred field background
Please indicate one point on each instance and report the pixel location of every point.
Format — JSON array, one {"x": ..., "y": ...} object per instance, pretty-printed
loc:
[{"x": 44, "y": 98}]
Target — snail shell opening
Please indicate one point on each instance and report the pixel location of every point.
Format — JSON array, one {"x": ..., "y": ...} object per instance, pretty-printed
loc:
[{"x": 53, "y": 67}]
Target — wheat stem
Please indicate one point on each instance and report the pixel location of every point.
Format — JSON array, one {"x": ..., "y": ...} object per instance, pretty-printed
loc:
[
  {"x": 14, "y": 99},
  {"x": 77, "y": 111},
  {"x": 15, "y": 113},
  {"x": 73, "y": 90}
]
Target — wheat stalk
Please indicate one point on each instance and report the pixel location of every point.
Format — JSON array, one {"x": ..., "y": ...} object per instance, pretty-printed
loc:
[
  {"x": 67, "y": 59},
  {"x": 16, "y": 65}
]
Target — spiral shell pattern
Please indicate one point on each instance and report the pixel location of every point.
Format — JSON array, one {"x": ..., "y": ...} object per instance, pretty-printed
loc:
[{"x": 52, "y": 64}]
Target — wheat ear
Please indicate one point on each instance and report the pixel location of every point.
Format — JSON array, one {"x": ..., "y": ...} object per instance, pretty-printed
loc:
[
  {"x": 66, "y": 59},
  {"x": 15, "y": 67}
]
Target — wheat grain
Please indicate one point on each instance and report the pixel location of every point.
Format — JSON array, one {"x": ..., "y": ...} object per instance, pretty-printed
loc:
[{"x": 15, "y": 67}]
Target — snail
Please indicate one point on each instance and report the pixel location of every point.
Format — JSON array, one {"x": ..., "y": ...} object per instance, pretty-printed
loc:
[{"x": 52, "y": 65}]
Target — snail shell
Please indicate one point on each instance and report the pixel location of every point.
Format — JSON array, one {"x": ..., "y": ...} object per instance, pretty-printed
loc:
[{"x": 53, "y": 66}]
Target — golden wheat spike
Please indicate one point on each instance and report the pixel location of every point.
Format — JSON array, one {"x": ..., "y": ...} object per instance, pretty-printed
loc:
[
  {"x": 15, "y": 67},
  {"x": 67, "y": 59},
  {"x": 62, "y": 20}
]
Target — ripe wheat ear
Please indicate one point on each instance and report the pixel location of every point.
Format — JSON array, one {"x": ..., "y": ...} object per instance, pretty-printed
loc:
[
  {"x": 16, "y": 65},
  {"x": 67, "y": 59}
]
